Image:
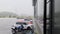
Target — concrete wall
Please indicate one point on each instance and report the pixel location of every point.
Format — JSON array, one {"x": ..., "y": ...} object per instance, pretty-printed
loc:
[{"x": 39, "y": 12}]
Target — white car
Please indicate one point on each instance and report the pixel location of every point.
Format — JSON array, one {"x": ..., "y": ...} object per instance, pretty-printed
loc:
[{"x": 20, "y": 26}]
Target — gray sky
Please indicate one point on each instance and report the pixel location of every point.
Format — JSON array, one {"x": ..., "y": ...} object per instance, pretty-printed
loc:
[{"x": 21, "y": 7}]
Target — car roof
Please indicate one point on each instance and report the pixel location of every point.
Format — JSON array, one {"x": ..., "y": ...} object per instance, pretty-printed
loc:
[{"x": 20, "y": 20}]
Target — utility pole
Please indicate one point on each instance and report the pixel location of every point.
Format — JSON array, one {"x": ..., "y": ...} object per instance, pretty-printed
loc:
[
  {"x": 44, "y": 17},
  {"x": 34, "y": 4}
]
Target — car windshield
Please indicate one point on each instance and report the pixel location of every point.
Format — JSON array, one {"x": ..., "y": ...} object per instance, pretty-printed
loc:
[
  {"x": 24, "y": 23},
  {"x": 27, "y": 20}
]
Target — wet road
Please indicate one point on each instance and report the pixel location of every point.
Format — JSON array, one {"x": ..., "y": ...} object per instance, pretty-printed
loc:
[
  {"x": 25, "y": 32},
  {"x": 5, "y": 25}
]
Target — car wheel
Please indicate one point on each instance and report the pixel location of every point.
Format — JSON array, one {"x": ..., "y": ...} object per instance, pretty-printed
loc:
[
  {"x": 13, "y": 32},
  {"x": 28, "y": 28}
]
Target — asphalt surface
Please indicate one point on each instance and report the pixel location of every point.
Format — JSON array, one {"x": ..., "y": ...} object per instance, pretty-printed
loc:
[
  {"x": 5, "y": 26},
  {"x": 25, "y": 32}
]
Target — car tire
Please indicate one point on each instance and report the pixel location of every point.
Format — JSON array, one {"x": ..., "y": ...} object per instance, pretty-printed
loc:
[
  {"x": 32, "y": 30},
  {"x": 28, "y": 28},
  {"x": 13, "y": 32}
]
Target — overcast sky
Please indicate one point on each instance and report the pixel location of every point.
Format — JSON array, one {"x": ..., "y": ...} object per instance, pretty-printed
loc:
[{"x": 21, "y": 7}]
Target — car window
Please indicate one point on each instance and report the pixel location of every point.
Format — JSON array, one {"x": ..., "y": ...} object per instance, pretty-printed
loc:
[
  {"x": 18, "y": 23},
  {"x": 25, "y": 23}
]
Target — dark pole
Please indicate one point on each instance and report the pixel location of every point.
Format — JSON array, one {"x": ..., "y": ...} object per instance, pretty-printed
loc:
[
  {"x": 51, "y": 16},
  {"x": 34, "y": 12},
  {"x": 45, "y": 11},
  {"x": 34, "y": 4}
]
